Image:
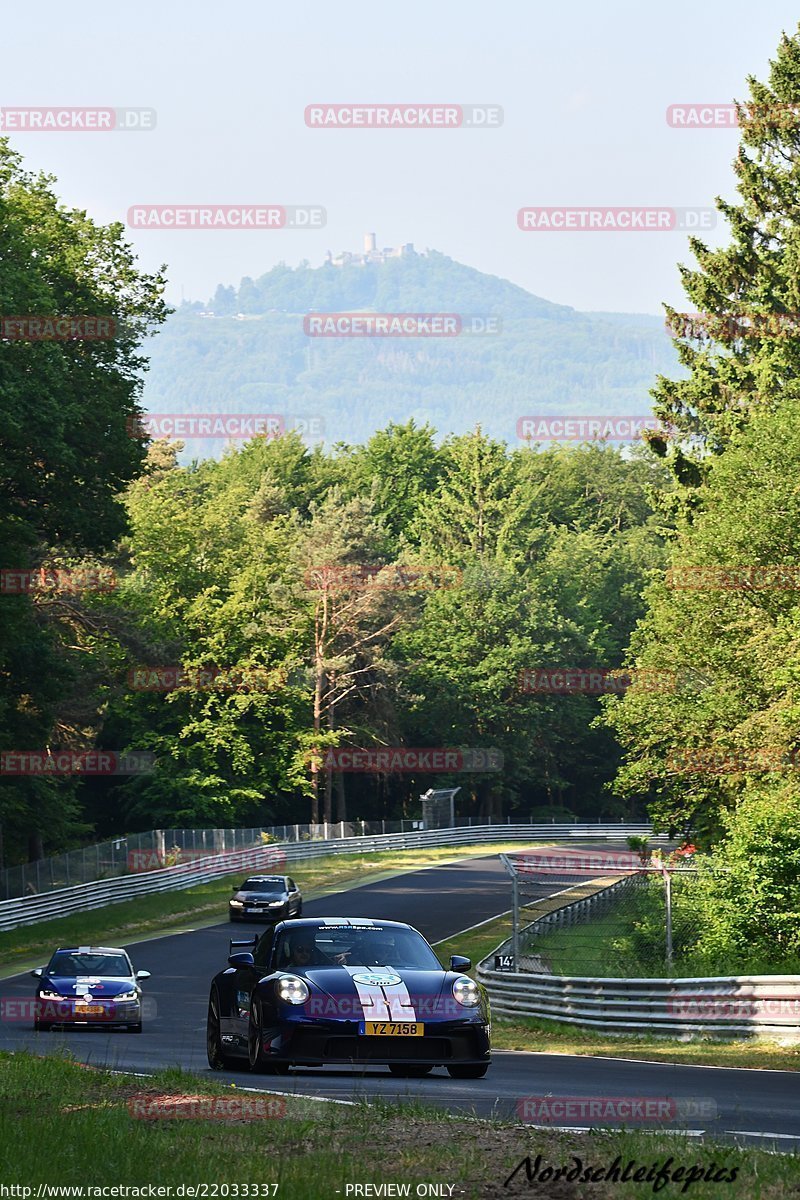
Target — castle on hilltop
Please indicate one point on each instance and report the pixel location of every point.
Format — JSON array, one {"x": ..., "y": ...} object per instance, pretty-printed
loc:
[{"x": 371, "y": 254}]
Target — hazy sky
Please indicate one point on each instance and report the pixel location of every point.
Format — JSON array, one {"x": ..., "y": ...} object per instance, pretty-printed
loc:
[{"x": 584, "y": 88}]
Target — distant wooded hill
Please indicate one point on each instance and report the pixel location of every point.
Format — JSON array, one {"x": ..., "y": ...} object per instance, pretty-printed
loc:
[{"x": 247, "y": 352}]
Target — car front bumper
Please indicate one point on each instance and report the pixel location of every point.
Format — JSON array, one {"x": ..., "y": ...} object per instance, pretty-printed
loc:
[
  {"x": 271, "y": 915},
  {"x": 330, "y": 1041},
  {"x": 98, "y": 1012}
]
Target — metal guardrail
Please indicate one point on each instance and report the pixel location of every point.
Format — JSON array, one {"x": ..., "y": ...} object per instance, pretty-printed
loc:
[
  {"x": 569, "y": 912},
  {"x": 135, "y": 852},
  {"x": 28, "y": 910},
  {"x": 765, "y": 1006}
]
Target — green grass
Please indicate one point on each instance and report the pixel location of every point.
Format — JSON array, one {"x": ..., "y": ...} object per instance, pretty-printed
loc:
[
  {"x": 560, "y": 1038},
  {"x": 207, "y": 903},
  {"x": 486, "y": 937},
  {"x": 84, "y": 1125},
  {"x": 629, "y": 941},
  {"x": 609, "y": 945},
  {"x": 586, "y": 950}
]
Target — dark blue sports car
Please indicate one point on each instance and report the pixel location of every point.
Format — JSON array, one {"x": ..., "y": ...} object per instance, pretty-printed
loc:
[{"x": 346, "y": 990}]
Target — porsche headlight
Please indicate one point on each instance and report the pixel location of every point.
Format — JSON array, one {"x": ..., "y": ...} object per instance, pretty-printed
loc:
[
  {"x": 293, "y": 990},
  {"x": 466, "y": 992}
]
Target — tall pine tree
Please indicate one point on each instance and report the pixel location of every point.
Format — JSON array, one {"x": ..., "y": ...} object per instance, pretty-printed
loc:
[{"x": 742, "y": 343}]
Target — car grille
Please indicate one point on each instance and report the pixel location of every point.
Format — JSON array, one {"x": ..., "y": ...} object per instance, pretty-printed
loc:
[{"x": 379, "y": 1049}]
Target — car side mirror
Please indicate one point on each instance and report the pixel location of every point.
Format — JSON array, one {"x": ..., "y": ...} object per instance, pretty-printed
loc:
[
  {"x": 234, "y": 887},
  {"x": 241, "y": 960},
  {"x": 38, "y": 973},
  {"x": 459, "y": 963},
  {"x": 142, "y": 974}
]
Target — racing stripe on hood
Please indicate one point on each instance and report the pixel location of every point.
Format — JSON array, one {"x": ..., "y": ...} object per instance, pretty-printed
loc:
[{"x": 382, "y": 1002}]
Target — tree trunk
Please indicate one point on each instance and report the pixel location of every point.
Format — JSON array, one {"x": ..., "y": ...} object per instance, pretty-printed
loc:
[
  {"x": 320, "y": 635},
  {"x": 329, "y": 770}
]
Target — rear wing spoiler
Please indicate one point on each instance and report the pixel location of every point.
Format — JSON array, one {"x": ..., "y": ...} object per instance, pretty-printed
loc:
[{"x": 250, "y": 943}]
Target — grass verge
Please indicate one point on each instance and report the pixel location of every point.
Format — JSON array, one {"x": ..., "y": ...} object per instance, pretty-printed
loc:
[
  {"x": 555, "y": 1038},
  {"x": 86, "y": 1125},
  {"x": 583, "y": 949},
  {"x": 207, "y": 903}
]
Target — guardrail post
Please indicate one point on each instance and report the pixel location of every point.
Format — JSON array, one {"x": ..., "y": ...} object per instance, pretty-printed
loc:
[
  {"x": 515, "y": 919},
  {"x": 668, "y": 899}
]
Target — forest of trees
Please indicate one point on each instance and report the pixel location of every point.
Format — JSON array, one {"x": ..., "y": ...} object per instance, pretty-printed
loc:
[{"x": 394, "y": 592}]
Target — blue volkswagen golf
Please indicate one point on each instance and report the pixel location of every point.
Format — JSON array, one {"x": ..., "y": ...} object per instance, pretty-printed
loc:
[{"x": 89, "y": 985}]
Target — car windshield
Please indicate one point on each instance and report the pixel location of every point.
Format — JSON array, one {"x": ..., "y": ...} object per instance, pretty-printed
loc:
[
  {"x": 77, "y": 963},
  {"x": 351, "y": 946},
  {"x": 265, "y": 887}
]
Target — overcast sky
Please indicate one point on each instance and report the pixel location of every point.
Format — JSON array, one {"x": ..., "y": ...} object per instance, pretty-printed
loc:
[{"x": 584, "y": 89}]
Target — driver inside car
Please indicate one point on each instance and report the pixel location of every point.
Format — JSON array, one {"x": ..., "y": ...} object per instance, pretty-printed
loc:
[
  {"x": 374, "y": 952},
  {"x": 304, "y": 952}
]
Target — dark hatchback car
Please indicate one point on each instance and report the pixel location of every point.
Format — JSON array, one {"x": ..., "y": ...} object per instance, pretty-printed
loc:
[
  {"x": 346, "y": 990},
  {"x": 89, "y": 985},
  {"x": 270, "y": 898}
]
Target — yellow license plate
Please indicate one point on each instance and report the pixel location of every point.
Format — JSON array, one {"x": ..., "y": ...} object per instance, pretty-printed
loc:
[
  {"x": 88, "y": 1010},
  {"x": 394, "y": 1028}
]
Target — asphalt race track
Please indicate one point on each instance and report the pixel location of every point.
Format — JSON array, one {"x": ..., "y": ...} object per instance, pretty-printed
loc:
[{"x": 753, "y": 1106}]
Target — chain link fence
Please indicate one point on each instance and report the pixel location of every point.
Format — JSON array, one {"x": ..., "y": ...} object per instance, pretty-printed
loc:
[
  {"x": 167, "y": 847},
  {"x": 603, "y": 913}
]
